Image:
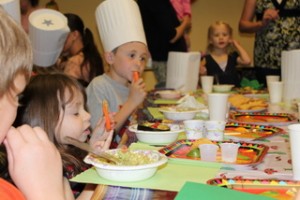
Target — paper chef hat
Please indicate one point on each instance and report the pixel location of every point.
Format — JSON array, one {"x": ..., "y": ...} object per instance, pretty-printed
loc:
[
  {"x": 119, "y": 22},
  {"x": 48, "y": 30},
  {"x": 12, "y": 7}
]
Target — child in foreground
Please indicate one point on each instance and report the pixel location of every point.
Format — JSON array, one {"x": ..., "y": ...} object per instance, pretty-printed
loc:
[
  {"x": 56, "y": 102},
  {"x": 223, "y": 55},
  {"x": 34, "y": 163}
]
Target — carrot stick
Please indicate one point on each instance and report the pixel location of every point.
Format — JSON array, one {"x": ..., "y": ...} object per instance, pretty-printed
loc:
[
  {"x": 106, "y": 115},
  {"x": 136, "y": 76}
]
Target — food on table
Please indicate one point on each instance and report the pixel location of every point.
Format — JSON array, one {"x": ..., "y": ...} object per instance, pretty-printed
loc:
[
  {"x": 194, "y": 153},
  {"x": 250, "y": 132},
  {"x": 127, "y": 158},
  {"x": 153, "y": 126},
  {"x": 247, "y": 118},
  {"x": 242, "y": 102}
]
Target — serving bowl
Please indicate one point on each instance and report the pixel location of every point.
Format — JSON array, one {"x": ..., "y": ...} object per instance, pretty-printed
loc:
[
  {"x": 169, "y": 94},
  {"x": 222, "y": 88},
  {"x": 179, "y": 114},
  {"x": 145, "y": 164},
  {"x": 157, "y": 137}
]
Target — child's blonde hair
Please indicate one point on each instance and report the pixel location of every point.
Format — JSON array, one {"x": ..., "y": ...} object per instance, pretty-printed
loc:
[
  {"x": 15, "y": 52},
  {"x": 210, "y": 32}
]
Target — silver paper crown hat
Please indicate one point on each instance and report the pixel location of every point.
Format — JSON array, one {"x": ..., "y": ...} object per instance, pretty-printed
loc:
[
  {"x": 48, "y": 30},
  {"x": 119, "y": 22},
  {"x": 12, "y": 7}
]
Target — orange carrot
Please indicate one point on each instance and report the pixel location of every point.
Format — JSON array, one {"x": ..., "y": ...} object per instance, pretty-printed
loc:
[
  {"x": 136, "y": 76},
  {"x": 106, "y": 115}
]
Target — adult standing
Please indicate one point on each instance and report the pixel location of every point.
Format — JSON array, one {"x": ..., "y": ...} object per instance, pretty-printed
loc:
[
  {"x": 164, "y": 33},
  {"x": 276, "y": 28}
]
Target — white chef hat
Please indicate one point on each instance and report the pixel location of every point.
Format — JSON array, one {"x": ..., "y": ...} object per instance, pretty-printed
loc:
[
  {"x": 48, "y": 30},
  {"x": 12, "y": 7},
  {"x": 119, "y": 22}
]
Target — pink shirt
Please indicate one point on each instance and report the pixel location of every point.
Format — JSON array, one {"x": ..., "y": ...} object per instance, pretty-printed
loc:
[{"x": 182, "y": 7}]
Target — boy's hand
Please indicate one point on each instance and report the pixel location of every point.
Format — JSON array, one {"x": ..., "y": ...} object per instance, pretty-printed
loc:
[
  {"x": 34, "y": 163},
  {"x": 137, "y": 92}
]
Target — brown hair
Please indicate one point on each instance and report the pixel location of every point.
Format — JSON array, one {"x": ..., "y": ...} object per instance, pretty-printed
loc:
[
  {"x": 210, "y": 32},
  {"x": 41, "y": 104},
  {"x": 15, "y": 52}
]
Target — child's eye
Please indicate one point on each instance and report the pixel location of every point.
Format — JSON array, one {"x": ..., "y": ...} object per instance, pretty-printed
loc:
[
  {"x": 131, "y": 55},
  {"x": 76, "y": 114}
]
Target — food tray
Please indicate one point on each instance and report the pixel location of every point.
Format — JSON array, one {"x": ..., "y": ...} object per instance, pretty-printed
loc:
[
  {"x": 277, "y": 189},
  {"x": 249, "y": 132},
  {"x": 262, "y": 118},
  {"x": 249, "y": 153}
]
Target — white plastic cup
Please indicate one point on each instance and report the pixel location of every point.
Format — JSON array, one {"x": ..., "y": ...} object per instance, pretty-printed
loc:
[
  {"x": 207, "y": 84},
  {"x": 218, "y": 106},
  {"x": 229, "y": 152},
  {"x": 194, "y": 129},
  {"x": 271, "y": 78},
  {"x": 275, "y": 91},
  {"x": 214, "y": 130},
  {"x": 294, "y": 133},
  {"x": 208, "y": 152}
]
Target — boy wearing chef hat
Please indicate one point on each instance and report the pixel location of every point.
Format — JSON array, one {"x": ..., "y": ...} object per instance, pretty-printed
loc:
[{"x": 124, "y": 42}]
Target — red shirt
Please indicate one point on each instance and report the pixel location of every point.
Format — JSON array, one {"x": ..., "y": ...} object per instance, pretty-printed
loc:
[{"x": 9, "y": 192}]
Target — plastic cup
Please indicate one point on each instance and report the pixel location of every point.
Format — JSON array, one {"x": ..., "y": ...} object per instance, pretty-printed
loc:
[
  {"x": 218, "y": 106},
  {"x": 208, "y": 152},
  {"x": 207, "y": 84},
  {"x": 294, "y": 133},
  {"x": 229, "y": 152},
  {"x": 193, "y": 129},
  {"x": 275, "y": 91},
  {"x": 214, "y": 130},
  {"x": 271, "y": 78}
]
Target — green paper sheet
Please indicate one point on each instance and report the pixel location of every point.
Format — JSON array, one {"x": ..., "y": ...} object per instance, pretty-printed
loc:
[
  {"x": 191, "y": 191},
  {"x": 165, "y": 101},
  {"x": 171, "y": 176},
  {"x": 155, "y": 113}
]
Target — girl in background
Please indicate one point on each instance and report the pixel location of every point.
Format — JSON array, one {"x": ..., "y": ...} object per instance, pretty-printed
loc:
[
  {"x": 223, "y": 55},
  {"x": 80, "y": 57},
  {"x": 56, "y": 102}
]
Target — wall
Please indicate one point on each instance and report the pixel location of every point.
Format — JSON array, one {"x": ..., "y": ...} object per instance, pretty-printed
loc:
[{"x": 204, "y": 13}]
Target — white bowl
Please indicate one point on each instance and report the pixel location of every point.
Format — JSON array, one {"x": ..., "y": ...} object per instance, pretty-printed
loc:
[
  {"x": 222, "y": 88},
  {"x": 179, "y": 115},
  {"x": 169, "y": 94},
  {"x": 122, "y": 173},
  {"x": 158, "y": 137}
]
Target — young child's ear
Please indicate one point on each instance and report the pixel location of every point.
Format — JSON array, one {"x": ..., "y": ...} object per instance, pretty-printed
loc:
[{"x": 109, "y": 57}]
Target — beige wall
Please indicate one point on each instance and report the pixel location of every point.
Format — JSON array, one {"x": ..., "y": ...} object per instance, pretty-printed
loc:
[{"x": 204, "y": 13}]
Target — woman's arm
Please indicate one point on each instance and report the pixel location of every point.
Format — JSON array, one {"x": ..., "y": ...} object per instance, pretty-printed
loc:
[
  {"x": 247, "y": 23},
  {"x": 244, "y": 58}
]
